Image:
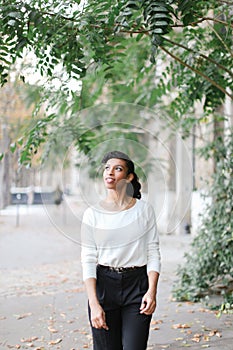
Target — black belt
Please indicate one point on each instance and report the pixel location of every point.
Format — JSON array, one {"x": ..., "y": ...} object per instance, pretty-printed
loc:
[{"x": 121, "y": 269}]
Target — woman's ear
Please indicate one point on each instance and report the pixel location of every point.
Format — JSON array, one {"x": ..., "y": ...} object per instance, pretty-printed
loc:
[{"x": 130, "y": 177}]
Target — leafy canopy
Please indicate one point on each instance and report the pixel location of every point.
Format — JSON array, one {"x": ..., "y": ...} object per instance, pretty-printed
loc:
[{"x": 140, "y": 50}]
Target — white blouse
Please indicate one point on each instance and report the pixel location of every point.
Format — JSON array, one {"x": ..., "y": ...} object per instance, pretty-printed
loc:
[{"x": 120, "y": 239}]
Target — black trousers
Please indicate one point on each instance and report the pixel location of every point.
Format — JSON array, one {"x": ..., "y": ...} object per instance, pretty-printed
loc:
[{"x": 120, "y": 295}]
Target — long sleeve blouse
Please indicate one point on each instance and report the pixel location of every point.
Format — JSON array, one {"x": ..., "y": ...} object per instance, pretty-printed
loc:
[{"x": 120, "y": 239}]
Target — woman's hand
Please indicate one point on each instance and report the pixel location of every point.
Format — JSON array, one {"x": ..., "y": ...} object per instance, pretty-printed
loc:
[
  {"x": 98, "y": 316},
  {"x": 148, "y": 304}
]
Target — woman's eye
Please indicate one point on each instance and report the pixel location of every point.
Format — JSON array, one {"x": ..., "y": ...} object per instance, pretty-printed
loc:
[{"x": 118, "y": 168}]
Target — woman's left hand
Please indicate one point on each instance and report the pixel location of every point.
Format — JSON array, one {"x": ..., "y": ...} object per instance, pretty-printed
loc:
[{"x": 148, "y": 304}]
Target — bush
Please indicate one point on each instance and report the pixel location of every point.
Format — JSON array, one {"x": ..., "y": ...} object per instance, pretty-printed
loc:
[{"x": 208, "y": 268}]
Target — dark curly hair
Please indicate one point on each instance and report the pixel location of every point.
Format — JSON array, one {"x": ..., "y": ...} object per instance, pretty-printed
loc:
[{"x": 133, "y": 189}]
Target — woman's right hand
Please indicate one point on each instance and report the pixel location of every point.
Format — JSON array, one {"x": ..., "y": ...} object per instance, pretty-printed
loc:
[{"x": 98, "y": 316}]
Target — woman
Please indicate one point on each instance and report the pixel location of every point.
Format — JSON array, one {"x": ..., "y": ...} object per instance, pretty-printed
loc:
[{"x": 121, "y": 260}]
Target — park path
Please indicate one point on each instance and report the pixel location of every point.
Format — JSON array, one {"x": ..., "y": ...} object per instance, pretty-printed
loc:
[{"x": 42, "y": 298}]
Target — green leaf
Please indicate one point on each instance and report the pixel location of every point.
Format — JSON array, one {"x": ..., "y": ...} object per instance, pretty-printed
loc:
[
  {"x": 13, "y": 147},
  {"x": 20, "y": 141}
]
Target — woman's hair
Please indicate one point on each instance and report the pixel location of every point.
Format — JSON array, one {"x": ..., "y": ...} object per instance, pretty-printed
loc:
[{"x": 134, "y": 187}]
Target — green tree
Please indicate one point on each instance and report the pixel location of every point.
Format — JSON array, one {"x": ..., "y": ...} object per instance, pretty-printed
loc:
[
  {"x": 208, "y": 268},
  {"x": 192, "y": 38}
]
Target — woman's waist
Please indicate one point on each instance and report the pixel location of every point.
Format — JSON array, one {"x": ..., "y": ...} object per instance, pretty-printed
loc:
[{"x": 121, "y": 269}]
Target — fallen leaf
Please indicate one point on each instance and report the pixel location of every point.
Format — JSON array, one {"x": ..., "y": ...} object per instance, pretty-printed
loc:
[
  {"x": 52, "y": 330},
  {"x": 85, "y": 346},
  {"x": 197, "y": 338},
  {"x": 215, "y": 332},
  {"x": 28, "y": 340},
  {"x": 206, "y": 329},
  {"x": 198, "y": 335},
  {"x": 205, "y": 310},
  {"x": 155, "y": 328},
  {"x": 19, "y": 317},
  {"x": 206, "y": 338},
  {"x": 54, "y": 342},
  {"x": 74, "y": 330},
  {"x": 2, "y": 318},
  {"x": 205, "y": 346},
  {"x": 156, "y": 321},
  {"x": 177, "y": 339},
  {"x": 179, "y": 325}
]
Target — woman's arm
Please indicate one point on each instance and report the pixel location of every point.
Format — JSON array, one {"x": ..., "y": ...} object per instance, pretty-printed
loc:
[
  {"x": 148, "y": 304},
  {"x": 97, "y": 312}
]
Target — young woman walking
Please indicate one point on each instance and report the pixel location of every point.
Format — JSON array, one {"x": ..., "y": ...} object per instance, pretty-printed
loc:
[{"x": 120, "y": 260}]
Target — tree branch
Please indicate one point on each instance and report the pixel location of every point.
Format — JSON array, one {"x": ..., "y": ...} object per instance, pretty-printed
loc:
[
  {"x": 222, "y": 41},
  {"x": 201, "y": 55},
  {"x": 203, "y": 19},
  {"x": 197, "y": 72}
]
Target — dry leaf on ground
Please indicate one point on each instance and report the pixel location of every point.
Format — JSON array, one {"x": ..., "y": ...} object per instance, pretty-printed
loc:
[
  {"x": 19, "y": 317},
  {"x": 179, "y": 325},
  {"x": 197, "y": 338},
  {"x": 28, "y": 340},
  {"x": 55, "y": 342},
  {"x": 215, "y": 332},
  {"x": 156, "y": 322},
  {"x": 52, "y": 330}
]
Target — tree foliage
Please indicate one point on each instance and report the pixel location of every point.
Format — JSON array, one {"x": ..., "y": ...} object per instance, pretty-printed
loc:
[
  {"x": 208, "y": 268},
  {"x": 78, "y": 35},
  {"x": 132, "y": 51}
]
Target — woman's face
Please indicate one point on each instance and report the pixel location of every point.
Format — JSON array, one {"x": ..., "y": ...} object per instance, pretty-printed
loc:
[{"x": 116, "y": 174}]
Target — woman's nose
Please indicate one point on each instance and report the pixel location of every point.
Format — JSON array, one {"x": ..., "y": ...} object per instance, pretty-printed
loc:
[{"x": 110, "y": 171}]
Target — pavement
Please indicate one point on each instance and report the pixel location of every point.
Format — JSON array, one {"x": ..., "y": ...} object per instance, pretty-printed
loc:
[{"x": 43, "y": 304}]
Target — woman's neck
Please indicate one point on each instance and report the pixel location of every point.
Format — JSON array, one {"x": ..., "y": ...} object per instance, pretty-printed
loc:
[{"x": 116, "y": 201}]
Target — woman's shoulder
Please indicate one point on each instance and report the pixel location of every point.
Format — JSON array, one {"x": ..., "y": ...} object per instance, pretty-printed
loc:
[
  {"x": 147, "y": 208},
  {"x": 88, "y": 215},
  {"x": 145, "y": 204}
]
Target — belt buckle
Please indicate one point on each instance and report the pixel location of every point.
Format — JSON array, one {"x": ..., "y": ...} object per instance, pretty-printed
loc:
[
  {"x": 120, "y": 269},
  {"x": 117, "y": 269}
]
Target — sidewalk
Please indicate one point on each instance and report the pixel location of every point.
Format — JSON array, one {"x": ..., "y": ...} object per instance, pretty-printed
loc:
[{"x": 43, "y": 302}]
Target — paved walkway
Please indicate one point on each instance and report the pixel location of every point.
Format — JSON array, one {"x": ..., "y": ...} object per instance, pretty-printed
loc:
[{"x": 42, "y": 299}]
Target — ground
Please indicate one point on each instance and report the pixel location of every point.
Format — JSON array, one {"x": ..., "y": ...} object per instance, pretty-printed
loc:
[{"x": 43, "y": 304}]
